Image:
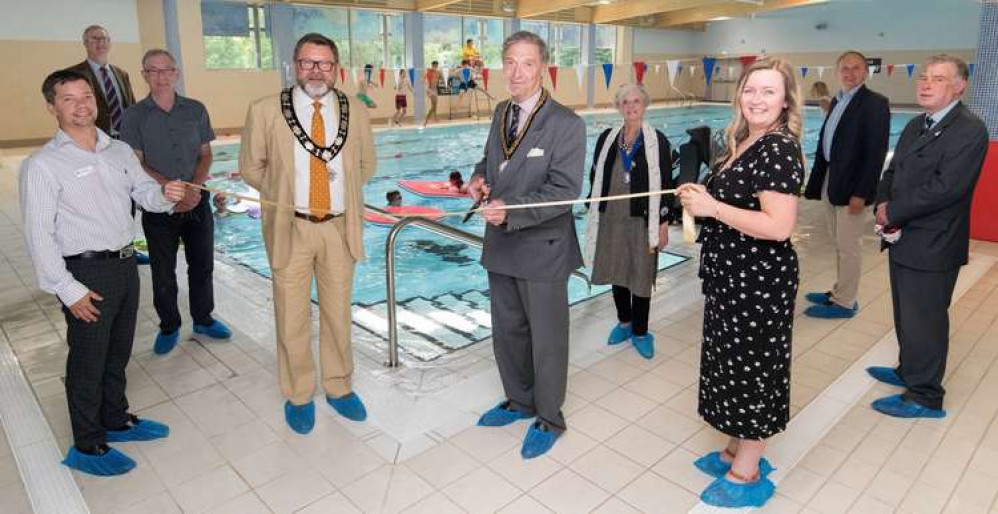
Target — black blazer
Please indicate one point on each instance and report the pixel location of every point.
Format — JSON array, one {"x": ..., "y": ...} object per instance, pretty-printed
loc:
[
  {"x": 639, "y": 175},
  {"x": 861, "y": 140},
  {"x": 929, "y": 187}
]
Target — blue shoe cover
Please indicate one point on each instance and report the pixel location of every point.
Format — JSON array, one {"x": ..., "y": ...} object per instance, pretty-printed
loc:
[
  {"x": 502, "y": 415},
  {"x": 724, "y": 493},
  {"x": 301, "y": 418},
  {"x": 538, "y": 441},
  {"x": 110, "y": 463},
  {"x": 712, "y": 465},
  {"x": 619, "y": 334},
  {"x": 898, "y": 407},
  {"x": 141, "y": 258},
  {"x": 139, "y": 430},
  {"x": 166, "y": 342},
  {"x": 819, "y": 298},
  {"x": 886, "y": 375},
  {"x": 645, "y": 345},
  {"x": 217, "y": 330},
  {"x": 349, "y": 407},
  {"x": 831, "y": 311}
]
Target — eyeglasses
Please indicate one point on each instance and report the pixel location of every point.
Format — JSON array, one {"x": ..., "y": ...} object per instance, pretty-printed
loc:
[
  {"x": 307, "y": 64},
  {"x": 159, "y": 71},
  {"x": 99, "y": 39}
]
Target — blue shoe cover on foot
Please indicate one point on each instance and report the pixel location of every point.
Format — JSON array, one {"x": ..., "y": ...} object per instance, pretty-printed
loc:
[
  {"x": 301, "y": 418},
  {"x": 502, "y": 415},
  {"x": 724, "y": 493},
  {"x": 349, "y": 407},
  {"x": 645, "y": 345},
  {"x": 139, "y": 430},
  {"x": 831, "y": 311},
  {"x": 899, "y": 407},
  {"x": 217, "y": 330},
  {"x": 110, "y": 463},
  {"x": 819, "y": 298},
  {"x": 166, "y": 342},
  {"x": 538, "y": 441},
  {"x": 141, "y": 258},
  {"x": 712, "y": 465},
  {"x": 619, "y": 334},
  {"x": 886, "y": 375}
]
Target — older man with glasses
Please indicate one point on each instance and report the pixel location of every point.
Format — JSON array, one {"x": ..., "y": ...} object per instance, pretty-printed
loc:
[
  {"x": 311, "y": 147},
  {"x": 111, "y": 83},
  {"x": 171, "y": 135}
]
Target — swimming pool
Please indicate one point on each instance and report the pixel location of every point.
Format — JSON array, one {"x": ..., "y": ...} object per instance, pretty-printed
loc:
[{"x": 438, "y": 277}]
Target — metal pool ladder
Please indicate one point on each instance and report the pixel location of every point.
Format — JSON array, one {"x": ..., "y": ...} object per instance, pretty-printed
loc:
[{"x": 430, "y": 226}]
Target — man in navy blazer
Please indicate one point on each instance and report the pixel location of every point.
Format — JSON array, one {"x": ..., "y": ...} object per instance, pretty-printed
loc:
[
  {"x": 926, "y": 194},
  {"x": 851, "y": 150}
]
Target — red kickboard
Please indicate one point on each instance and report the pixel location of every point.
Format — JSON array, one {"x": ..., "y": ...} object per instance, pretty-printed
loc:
[
  {"x": 431, "y": 188},
  {"x": 405, "y": 210}
]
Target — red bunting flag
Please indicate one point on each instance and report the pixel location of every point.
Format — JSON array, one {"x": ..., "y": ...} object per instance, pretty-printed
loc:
[
  {"x": 485, "y": 78},
  {"x": 747, "y": 60},
  {"x": 890, "y": 69},
  {"x": 381, "y": 77},
  {"x": 343, "y": 76},
  {"x": 553, "y": 71},
  {"x": 639, "y": 71}
]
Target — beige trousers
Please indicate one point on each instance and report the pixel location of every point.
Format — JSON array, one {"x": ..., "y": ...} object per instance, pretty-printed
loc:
[
  {"x": 847, "y": 231},
  {"x": 319, "y": 250}
]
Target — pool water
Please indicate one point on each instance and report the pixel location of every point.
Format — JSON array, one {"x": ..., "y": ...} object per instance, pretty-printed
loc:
[{"x": 428, "y": 266}]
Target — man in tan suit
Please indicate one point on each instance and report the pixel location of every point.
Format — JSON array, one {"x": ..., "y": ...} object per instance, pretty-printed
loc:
[
  {"x": 311, "y": 147},
  {"x": 110, "y": 83}
]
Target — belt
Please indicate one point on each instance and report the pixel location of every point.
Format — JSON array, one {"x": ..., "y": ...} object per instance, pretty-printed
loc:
[
  {"x": 124, "y": 253},
  {"x": 316, "y": 219}
]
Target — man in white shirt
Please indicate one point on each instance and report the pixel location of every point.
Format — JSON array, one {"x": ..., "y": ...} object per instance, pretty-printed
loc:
[{"x": 76, "y": 195}]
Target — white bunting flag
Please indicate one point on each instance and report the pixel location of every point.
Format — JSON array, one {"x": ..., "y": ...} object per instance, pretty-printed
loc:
[
  {"x": 872, "y": 69},
  {"x": 673, "y": 66},
  {"x": 821, "y": 71},
  {"x": 731, "y": 72},
  {"x": 693, "y": 70},
  {"x": 580, "y": 72}
]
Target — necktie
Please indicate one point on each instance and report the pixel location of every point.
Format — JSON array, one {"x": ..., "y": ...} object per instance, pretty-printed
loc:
[
  {"x": 113, "y": 102},
  {"x": 514, "y": 125},
  {"x": 929, "y": 122},
  {"x": 318, "y": 185}
]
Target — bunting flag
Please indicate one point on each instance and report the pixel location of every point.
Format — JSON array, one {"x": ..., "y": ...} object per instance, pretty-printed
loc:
[
  {"x": 367, "y": 74},
  {"x": 658, "y": 68},
  {"x": 708, "y": 68},
  {"x": 580, "y": 73},
  {"x": 693, "y": 70},
  {"x": 821, "y": 71},
  {"x": 890, "y": 70},
  {"x": 607, "y": 73},
  {"x": 381, "y": 77},
  {"x": 485, "y": 78},
  {"x": 465, "y": 75},
  {"x": 911, "y": 70},
  {"x": 673, "y": 66},
  {"x": 360, "y": 76},
  {"x": 803, "y": 72},
  {"x": 871, "y": 70},
  {"x": 639, "y": 72},
  {"x": 731, "y": 72},
  {"x": 412, "y": 76},
  {"x": 970, "y": 68},
  {"x": 553, "y": 71},
  {"x": 747, "y": 60},
  {"x": 343, "y": 76}
]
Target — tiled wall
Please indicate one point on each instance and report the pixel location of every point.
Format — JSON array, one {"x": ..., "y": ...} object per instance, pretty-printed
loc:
[{"x": 984, "y": 99}]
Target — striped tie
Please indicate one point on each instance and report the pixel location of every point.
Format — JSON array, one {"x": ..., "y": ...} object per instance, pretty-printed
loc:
[
  {"x": 318, "y": 185},
  {"x": 113, "y": 103}
]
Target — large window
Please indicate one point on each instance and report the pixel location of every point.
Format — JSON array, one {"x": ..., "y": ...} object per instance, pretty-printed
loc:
[
  {"x": 236, "y": 35},
  {"x": 444, "y": 36},
  {"x": 606, "y": 44},
  {"x": 332, "y": 23},
  {"x": 377, "y": 39},
  {"x": 564, "y": 40},
  {"x": 488, "y": 36},
  {"x": 537, "y": 27}
]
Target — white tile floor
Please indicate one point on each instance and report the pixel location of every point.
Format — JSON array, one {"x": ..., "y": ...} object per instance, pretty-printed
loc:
[{"x": 633, "y": 425}]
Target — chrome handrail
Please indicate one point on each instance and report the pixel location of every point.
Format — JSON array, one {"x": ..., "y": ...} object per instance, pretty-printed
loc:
[{"x": 431, "y": 226}]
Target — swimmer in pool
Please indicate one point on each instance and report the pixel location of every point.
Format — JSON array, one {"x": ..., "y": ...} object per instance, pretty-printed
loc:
[
  {"x": 394, "y": 198},
  {"x": 455, "y": 183}
]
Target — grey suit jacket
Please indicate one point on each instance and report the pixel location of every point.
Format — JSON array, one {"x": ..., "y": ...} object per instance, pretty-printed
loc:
[
  {"x": 929, "y": 187},
  {"x": 536, "y": 244}
]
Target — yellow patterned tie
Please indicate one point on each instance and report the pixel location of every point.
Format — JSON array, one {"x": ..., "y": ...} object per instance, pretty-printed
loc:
[{"x": 318, "y": 185}]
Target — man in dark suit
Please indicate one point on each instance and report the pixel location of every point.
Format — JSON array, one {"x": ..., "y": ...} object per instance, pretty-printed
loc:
[
  {"x": 924, "y": 197},
  {"x": 111, "y": 85},
  {"x": 535, "y": 153},
  {"x": 851, "y": 150}
]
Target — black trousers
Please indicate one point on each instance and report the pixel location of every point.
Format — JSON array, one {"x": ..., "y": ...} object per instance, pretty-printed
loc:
[
  {"x": 530, "y": 338},
  {"x": 921, "y": 322},
  {"x": 164, "y": 232},
  {"x": 99, "y": 351},
  {"x": 632, "y": 309}
]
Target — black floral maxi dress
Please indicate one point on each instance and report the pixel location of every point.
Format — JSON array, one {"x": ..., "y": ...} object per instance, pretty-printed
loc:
[{"x": 749, "y": 288}]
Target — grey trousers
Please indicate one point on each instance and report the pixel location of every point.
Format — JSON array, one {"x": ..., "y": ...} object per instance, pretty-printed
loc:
[
  {"x": 921, "y": 322},
  {"x": 530, "y": 338}
]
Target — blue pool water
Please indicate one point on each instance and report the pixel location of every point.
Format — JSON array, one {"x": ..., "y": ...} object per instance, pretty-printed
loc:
[{"x": 430, "y": 265}]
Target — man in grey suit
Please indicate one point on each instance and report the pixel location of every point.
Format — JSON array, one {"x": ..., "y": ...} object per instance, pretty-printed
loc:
[
  {"x": 535, "y": 153},
  {"x": 924, "y": 197}
]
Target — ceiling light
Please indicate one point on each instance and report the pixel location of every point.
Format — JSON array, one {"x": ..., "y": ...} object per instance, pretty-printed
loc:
[{"x": 720, "y": 18}]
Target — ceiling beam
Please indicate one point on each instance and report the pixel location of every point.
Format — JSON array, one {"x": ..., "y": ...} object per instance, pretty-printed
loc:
[
  {"x": 531, "y": 8},
  {"x": 428, "y": 5},
  {"x": 623, "y": 10},
  {"x": 732, "y": 10}
]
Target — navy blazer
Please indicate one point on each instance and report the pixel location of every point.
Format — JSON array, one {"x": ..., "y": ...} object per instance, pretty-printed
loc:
[
  {"x": 929, "y": 187},
  {"x": 860, "y": 146}
]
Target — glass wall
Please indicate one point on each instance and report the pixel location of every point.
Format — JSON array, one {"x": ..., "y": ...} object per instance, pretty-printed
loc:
[
  {"x": 236, "y": 35},
  {"x": 488, "y": 34},
  {"x": 564, "y": 40},
  {"x": 444, "y": 36},
  {"x": 537, "y": 27},
  {"x": 606, "y": 44},
  {"x": 332, "y": 23},
  {"x": 377, "y": 39}
]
